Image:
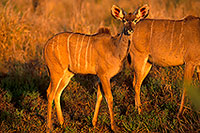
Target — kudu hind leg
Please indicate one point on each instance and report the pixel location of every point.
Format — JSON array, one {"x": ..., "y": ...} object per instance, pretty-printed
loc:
[
  {"x": 50, "y": 96},
  {"x": 146, "y": 71},
  {"x": 141, "y": 72},
  {"x": 188, "y": 73},
  {"x": 99, "y": 99},
  {"x": 63, "y": 83}
]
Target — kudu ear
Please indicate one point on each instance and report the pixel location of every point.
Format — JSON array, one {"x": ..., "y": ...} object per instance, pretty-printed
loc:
[
  {"x": 117, "y": 12},
  {"x": 141, "y": 13}
]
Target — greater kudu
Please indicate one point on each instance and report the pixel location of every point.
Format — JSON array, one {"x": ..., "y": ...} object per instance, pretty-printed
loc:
[
  {"x": 100, "y": 54},
  {"x": 165, "y": 43}
]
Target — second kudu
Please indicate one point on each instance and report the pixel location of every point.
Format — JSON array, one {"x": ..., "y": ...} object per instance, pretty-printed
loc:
[
  {"x": 100, "y": 54},
  {"x": 165, "y": 43}
]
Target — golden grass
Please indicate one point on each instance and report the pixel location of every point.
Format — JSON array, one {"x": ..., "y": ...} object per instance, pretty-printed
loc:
[{"x": 27, "y": 25}]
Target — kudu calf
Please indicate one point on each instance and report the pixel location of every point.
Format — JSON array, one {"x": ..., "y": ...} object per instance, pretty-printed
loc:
[
  {"x": 100, "y": 54},
  {"x": 165, "y": 43}
]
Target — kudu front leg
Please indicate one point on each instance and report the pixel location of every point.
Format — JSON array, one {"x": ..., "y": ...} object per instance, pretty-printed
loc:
[
  {"x": 198, "y": 71},
  {"x": 97, "y": 107},
  {"x": 109, "y": 98},
  {"x": 188, "y": 73}
]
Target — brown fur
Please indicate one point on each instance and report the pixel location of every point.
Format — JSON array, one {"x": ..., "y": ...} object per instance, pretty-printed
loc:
[
  {"x": 104, "y": 30},
  {"x": 100, "y": 54},
  {"x": 67, "y": 54},
  {"x": 165, "y": 43}
]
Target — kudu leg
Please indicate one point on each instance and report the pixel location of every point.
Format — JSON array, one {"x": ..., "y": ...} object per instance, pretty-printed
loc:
[
  {"x": 188, "y": 73},
  {"x": 142, "y": 68},
  {"x": 63, "y": 83},
  {"x": 49, "y": 90},
  {"x": 198, "y": 71},
  {"x": 134, "y": 80},
  {"x": 146, "y": 71},
  {"x": 50, "y": 96},
  {"x": 57, "y": 84},
  {"x": 99, "y": 99},
  {"x": 50, "y": 100},
  {"x": 140, "y": 78},
  {"x": 109, "y": 98}
]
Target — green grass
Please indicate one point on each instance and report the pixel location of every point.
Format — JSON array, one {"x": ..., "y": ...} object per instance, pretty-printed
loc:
[
  {"x": 24, "y": 104},
  {"x": 24, "y": 78}
]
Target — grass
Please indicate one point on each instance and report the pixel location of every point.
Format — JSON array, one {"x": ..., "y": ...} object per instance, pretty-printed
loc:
[
  {"x": 24, "y": 104},
  {"x": 24, "y": 79}
]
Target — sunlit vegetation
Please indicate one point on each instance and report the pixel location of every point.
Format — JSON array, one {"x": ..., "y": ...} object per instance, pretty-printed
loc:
[{"x": 26, "y": 25}]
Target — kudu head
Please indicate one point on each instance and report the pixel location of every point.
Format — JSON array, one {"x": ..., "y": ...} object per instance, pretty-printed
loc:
[{"x": 130, "y": 19}]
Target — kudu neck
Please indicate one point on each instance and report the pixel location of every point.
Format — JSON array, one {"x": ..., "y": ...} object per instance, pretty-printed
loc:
[{"x": 123, "y": 45}]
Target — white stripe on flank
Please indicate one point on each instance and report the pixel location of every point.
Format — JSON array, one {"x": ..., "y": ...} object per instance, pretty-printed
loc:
[
  {"x": 86, "y": 61},
  {"x": 76, "y": 50},
  {"x": 58, "y": 53},
  {"x": 90, "y": 55},
  {"x": 181, "y": 35},
  {"x": 57, "y": 44},
  {"x": 68, "y": 48},
  {"x": 172, "y": 36},
  {"x": 52, "y": 45},
  {"x": 150, "y": 39},
  {"x": 168, "y": 26},
  {"x": 80, "y": 51}
]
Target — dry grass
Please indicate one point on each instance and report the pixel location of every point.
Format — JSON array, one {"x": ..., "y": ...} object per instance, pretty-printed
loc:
[{"x": 25, "y": 26}]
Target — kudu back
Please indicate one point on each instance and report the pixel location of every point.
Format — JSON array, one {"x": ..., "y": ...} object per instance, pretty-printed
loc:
[
  {"x": 100, "y": 54},
  {"x": 165, "y": 43}
]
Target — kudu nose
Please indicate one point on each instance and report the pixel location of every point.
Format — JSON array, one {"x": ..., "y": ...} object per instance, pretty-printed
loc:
[{"x": 129, "y": 31}]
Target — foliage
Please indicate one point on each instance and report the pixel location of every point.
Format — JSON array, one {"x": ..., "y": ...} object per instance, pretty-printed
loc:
[{"x": 25, "y": 26}]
